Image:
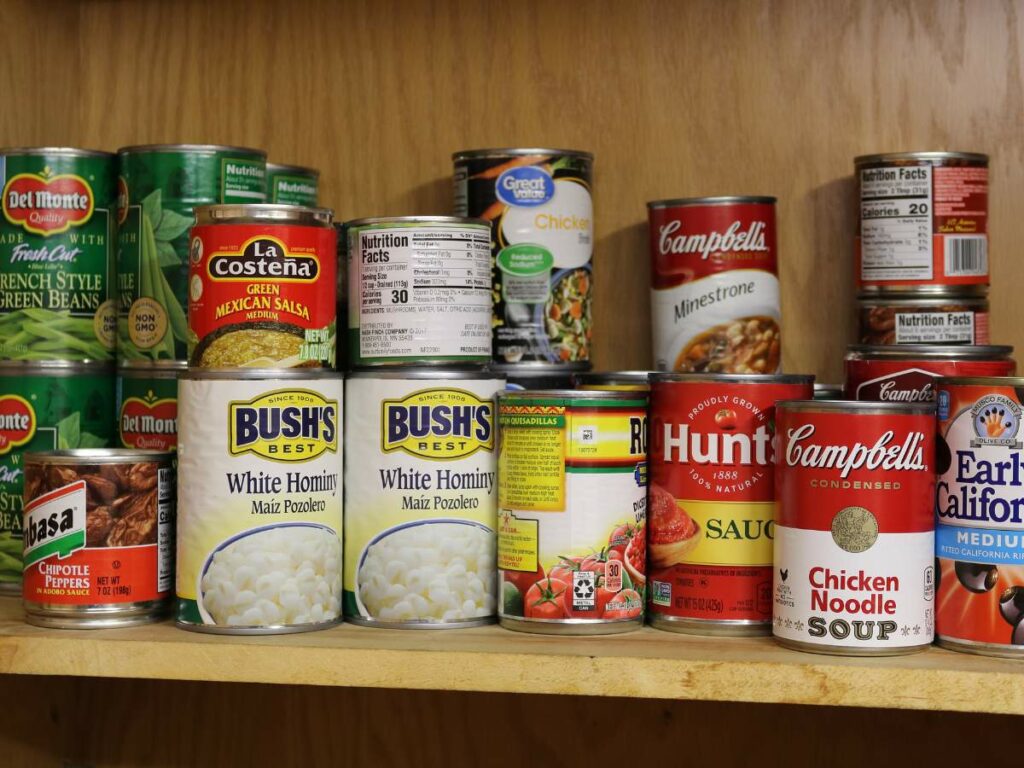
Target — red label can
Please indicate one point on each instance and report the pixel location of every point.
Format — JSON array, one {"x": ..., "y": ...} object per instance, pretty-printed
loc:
[
  {"x": 711, "y": 500},
  {"x": 714, "y": 285},
  {"x": 262, "y": 287},
  {"x": 854, "y": 527},
  {"x": 907, "y": 373}
]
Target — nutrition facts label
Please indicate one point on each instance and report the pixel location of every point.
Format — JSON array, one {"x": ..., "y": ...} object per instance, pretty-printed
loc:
[
  {"x": 424, "y": 292},
  {"x": 896, "y": 223}
]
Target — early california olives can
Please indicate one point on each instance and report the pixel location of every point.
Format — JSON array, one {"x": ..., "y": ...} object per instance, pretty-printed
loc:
[{"x": 292, "y": 185}]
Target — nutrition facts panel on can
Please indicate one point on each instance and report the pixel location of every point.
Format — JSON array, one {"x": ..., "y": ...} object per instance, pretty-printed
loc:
[{"x": 896, "y": 223}]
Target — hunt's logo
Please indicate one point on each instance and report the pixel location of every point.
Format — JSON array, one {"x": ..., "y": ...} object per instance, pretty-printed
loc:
[
  {"x": 17, "y": 422},
  {"x": 438, "y": 424},
  {"x": 284, "y": 425},
  {"x": 55, "y": 524},
  {"x": 45, "y": 204},
  {"x": 149, "y": 422},
  {"x": 264, "y": 258}
]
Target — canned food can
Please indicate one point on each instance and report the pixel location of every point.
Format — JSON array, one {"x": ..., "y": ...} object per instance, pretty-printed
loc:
[
  {"x": 711, "y": 500},
  {"x": 715, "y": 285},
  {"x": 260, "y": 500},
  {"x": 854, "y": 528},
  {"x": 419, "y": 291},
  {"x": 629, "y": 381},
  {"x": 421, "y": 497},
  {"x": 45, "y": 406},
  {"x": 147, "y": 405},
  {"x": 923, "y": 224},
  {"x": 828, "y": 391},
  {"x": 539, "y": 375},
  {"x": 933, "y": 319},
  {"x": 572, "y": 498},
  {"x": 538, "y": 202},
  {"x": 57, "y": 254},
  {"x": 907, "y": 373},
  {"x": 979, "y": 534},
  {"x": 158, "y": 188},
  {"x": 99, "y": 538},
  {"x": 341, "y": 356},
  {"x": 262, "y": 287},
  {"x": 292, "y": 185}
]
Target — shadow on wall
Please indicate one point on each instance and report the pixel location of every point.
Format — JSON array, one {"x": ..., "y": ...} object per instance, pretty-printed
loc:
[{"x": 622, "y": 279}]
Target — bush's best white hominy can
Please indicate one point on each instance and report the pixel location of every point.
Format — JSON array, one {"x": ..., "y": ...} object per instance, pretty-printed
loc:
[
  {"x": 421, "y": 483},
  {"x": 260, "y": 510}
]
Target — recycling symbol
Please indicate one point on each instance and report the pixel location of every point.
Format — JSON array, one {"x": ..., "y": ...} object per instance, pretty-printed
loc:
[{"x": 583, "y": 589}]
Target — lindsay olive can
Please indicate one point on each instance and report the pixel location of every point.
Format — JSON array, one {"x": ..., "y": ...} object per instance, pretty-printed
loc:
[
  {"x": 147, "y": 406},
  {"x": 158, "y": 187},
  {"x": 45, "y": 406},
  {"x": 979, "y": 536},
  {"x": 572, "y": 501},
  {"x": 292, "y": 185},
  {"x": 99, "y": 538},
  {"x": 57, "y": 255},
  {"x": 854, "y": 569},
  {"x": 421, "y": 497},
  {"x": 538, "y": 203},
  {"x": 260, "y": 500}
]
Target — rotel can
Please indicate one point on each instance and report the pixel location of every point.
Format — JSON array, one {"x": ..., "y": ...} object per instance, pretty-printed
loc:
[
  {"x": 572, "y": 499},
  {"x": 907, "y": 373},
  {"x": 715, "y": 285},
  {"x": 262, "y": 287},
  {"x": 538, "y": 203},
  {"x": 57, "y": 237},
  {"x": 923, "y": 224},
  {"x": 854, "y": 527},
  {"x": 292, "y": 185},
  {"x": 711, "y": 500},
  {"x": 147, "y": 406},
  {"x": 979, "y": 537}
]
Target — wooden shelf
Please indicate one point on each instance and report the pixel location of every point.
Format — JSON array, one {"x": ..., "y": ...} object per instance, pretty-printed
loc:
[{"x": 644, "y": 664}]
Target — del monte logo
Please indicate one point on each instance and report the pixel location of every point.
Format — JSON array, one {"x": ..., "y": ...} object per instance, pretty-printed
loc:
[
  {"x": 17, "y": 422},
  {"x": 149, "y": 422},
  {"x": 284, "y": 425},
  {"x": 47, "y": 204},
  {"x": 439, "y": 424},
  {"x": 525, "y": 186}
]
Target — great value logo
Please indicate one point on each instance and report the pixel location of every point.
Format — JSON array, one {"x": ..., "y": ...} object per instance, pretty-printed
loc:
[
  {"x": 263, "y": 258},
  {"x": 17, "y": 422},
  {"x": 45, "y": 204},
  {"x": 525, "y": 186},
  {"x": 438, "y": 424},
  {"x": 149, "y": 422},
  {"x": 284, "y": 425}
]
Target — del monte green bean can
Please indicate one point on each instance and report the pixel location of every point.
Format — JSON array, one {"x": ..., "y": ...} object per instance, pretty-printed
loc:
[
  {"x": 158, "y": 187},
  {"x": 292, "y": 185},
  {"x": 56, "y": 254}
]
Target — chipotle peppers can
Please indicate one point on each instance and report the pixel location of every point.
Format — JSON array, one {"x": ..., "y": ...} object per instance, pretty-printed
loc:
[
  {"x": 711, "y": 500},
  {"x": 854, "y": 528},
  {"x": 262, "y": 287}
]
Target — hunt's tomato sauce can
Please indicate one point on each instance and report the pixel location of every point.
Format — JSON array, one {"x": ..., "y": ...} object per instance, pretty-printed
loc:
[
  {"x": 854, "y": 527},
  {"x": 711, "y": 500},
  {"x": 979, "y": 503}
]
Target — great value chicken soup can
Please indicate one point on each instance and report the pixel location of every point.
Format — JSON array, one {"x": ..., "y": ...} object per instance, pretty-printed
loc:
[
  {"x": 979, "y": 536},
  {"x": 421, "y": 496},
  {"x": 292, "y": 185},
  {"x": 711, "y": 500},
  {"x": 538, "y": 203},
  {"x": 854, "y": 570},
  {"x": 260, "y": 500},
  {"x": 572, "y": 499},
  {"x": 147, "y": 405}
]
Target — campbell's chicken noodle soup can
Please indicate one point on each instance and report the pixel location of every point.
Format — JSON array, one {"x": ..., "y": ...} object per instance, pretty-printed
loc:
[
  {"x": 147, "y": 405},
  {"x": 572, "y": 498},
  {"x": 262, "y": 287},
  {"x": 923, "y": 223},
  {"x": 711, "y": 500},
  {"x": 715, "y": 285},
  {"x": 854, "y": 527},
  {"x": 907, "y": 373},
  {"x": 915, "y": 319},
  {"x": 98, "y": 537},
  {"x": 979, "y": 503}
]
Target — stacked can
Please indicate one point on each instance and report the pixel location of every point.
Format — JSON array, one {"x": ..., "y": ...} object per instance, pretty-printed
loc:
[
  {"x": 57, "y": 320},
  {"x": 292, "y": 185}
]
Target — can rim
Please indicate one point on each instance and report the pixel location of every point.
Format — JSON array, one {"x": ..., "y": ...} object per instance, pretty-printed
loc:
[
  {"x": 539, "y": 367},
  {"x": 66, "y": 151},
  {"x": 597, "y": 377},
  {"x": 932, "y": 299},
  {"x": 480, "y": 154},
  {"x": 570, "y": 394},
  {"x": 733, "y": 378},
  {"x": 261, "y": 374},
  {"x": 928, "y": 351},
  {"x": 371, "y": 220},
  {"x": 184, "y": 148},
  {"x": 22, "y": 366},
  {"x": 860, "y": 406},
  {"x": 257, "y": 213},
  {"x": 682, "y": 202},
  {"x": 460, "y": 373},
  {"x": 979, "y": 290},
  {"x": 995, "y": 381},
  {"x": 888, "y": 157},
  {"x": 287, "y": 168},
  {"x": 98, "y": 455},
  {"x": 154, "y": 366}
]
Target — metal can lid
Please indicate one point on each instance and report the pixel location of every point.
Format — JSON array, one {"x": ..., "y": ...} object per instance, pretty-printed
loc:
[
  {"x": 855, "y": 407},
  {"x": 156, "y": 369},
  {"x": 540, "y": 368},
  {"x": 990, "y": 381},
  {"x": 902, "y": 157},
  {"x": 54, "y": 367},
  {"x": 572, "y": 394},
  {"x": 936, "y": 299},
  {"x": 923, "y": 290},
  {"x": 260, "y": 374},
  {"x": 300, "y": 170},
  {"x": 613, "y": 377},
  {"x": 270, "y": 213},
  {"x": 411, "y": 221},
  {"x": 820, "y": 389},
  {"x": 201, "y": 149},
  {"x": 63, "y": 151},
  {"x": 447, "y": 373},
  {"x": 682, "y": 202},
  {"x": 928, "y": 352},
  {"x": 732, "y": 378},
  {"x": 479, "y": 154},
  {"x": 98, "y": 456}
]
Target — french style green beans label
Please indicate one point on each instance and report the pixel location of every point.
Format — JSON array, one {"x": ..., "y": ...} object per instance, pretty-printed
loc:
[
  {"x": 43, "y": 412},
  {"x": 56, "y": 257}
]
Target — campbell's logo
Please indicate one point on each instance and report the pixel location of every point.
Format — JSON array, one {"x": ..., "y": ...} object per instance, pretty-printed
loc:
[
  {"x": 908, "y": 455},
  {"x": 262, "y": 257},
  {"x": 525, "y": 186},
  {"x": 683, "y": 445},
  {"x": 734, "y": 239},
  {"x": 149, "y": 422},
  {"x": 17, "y": 422},
  {"x": 438, "y": 424},
  {"x": 912, "y": 385},
  {"x": 284, "y": 425},
  {"x": 45, "y": 204}
]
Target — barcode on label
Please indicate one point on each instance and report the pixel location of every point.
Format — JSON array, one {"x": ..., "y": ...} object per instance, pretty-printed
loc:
[{"x": 966, "y": 255}]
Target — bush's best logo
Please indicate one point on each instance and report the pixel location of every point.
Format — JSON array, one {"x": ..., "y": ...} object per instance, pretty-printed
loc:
[
  {"x": 996, "y": 421},
  {"x": 284, "y": 425},
  {"x": 525, "y": 186},
  {"x": 438, "y": 424},
  {"x": 264, "y": 258},
  {"x": 17, "y": 422},
  {"x": 45, "y": 204}
]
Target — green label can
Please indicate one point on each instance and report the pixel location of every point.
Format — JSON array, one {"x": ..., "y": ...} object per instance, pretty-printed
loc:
[
  {"x": 147, "y": 406},
  {"x": 293, "y": 185},
  {"x": 56, "y": 255},
  {"x": 45, "y": 406},
  {"x": 158, "y": 187}
]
